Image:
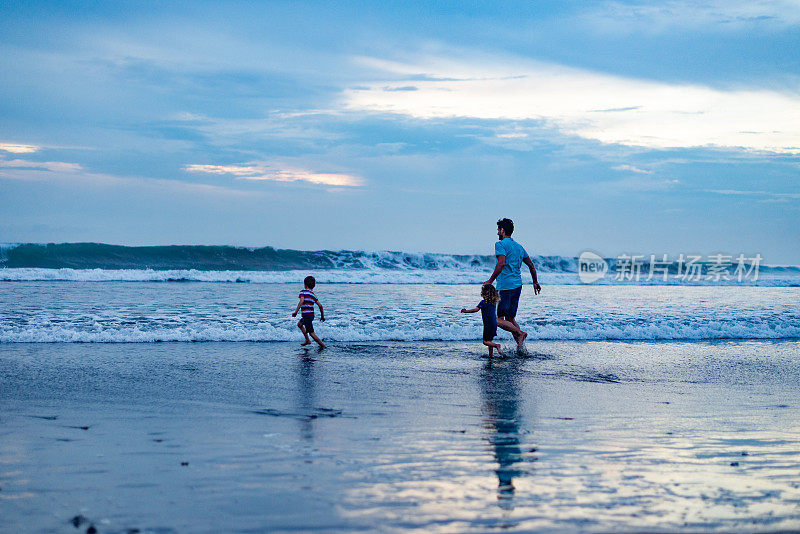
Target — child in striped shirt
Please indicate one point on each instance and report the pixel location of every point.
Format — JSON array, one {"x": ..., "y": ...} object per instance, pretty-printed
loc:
[{"x": 306, "y": 304}]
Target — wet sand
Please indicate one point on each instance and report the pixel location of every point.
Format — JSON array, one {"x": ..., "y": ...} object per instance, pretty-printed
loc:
[{"x": 587, "y": 436}]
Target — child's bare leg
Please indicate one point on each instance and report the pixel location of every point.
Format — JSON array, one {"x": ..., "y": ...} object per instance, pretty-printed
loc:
[
  {"x": 318, "y": 340},
  {"x": 499, "y": 352},
  {"x": 305, "y": 334},
  {"x": 493, "y": 345}
]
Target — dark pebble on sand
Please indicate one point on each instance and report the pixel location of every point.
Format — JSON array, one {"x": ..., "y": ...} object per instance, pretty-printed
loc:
[
  {"x": 78, "y": 520},
  {"x": 184, "y": 463},
  {"x": 744, "y": 453},
  {"x": 734, "y": 464},
  {"x": 158, "y": 440},
  {"x": 91, "y": 530},
  {"x": 533, "y": 449}
]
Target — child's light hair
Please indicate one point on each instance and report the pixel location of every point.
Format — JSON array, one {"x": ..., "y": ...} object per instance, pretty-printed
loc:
[{"x": 490, "y": 294}]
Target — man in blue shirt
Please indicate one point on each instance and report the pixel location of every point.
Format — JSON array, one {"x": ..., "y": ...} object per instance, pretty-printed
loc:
[{"x": 510, "y": 257}]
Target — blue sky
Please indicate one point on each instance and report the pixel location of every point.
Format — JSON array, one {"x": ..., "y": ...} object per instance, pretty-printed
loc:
[{"x": 669, "y": 127}]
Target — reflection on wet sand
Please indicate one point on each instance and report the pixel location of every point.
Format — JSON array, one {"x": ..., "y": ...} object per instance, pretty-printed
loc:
[
  {"x": 500, "y": 392},
  {"x": 306, "y": 394}
]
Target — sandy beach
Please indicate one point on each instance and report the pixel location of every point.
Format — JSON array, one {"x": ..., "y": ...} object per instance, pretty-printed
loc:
[{"x": 245, "y": 437}]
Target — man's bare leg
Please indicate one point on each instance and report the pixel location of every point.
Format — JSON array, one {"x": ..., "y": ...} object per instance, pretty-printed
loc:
[
  {"x": 318, "y": 340},
  {"x": 522, "y": 334},
  {"x": 305, "y": 334},
  {"x": 509, "y": 326}
]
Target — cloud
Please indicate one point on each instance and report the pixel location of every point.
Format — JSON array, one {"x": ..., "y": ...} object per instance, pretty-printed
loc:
[
  {"x": 771, "y": 197},
  {"x": 266, "y": 171},
  {"x": 637, "y": 183},
  {"x": 18, "y": 149},
  {"x": 726, "y": 15},
  {"x": 614, "y": 110},
  {"x": 636, "y": 112},
  {"x": 60, "y": 172},
  {"x": 401, "y": 88},
  {"x": 55, "y": 166},
  {"x": 631, "y": 168}
]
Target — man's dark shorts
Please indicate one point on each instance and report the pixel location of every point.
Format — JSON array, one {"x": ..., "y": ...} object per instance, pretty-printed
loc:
[
  {"x": 509, "y": 300},
  {"x": 308, "y": 323}
]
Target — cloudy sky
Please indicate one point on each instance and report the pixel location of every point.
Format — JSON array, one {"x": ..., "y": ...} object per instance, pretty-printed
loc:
[{"x": 661, "y": 127}]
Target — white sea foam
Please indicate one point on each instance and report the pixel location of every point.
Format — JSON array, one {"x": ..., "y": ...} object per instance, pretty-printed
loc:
[
  {"x": 138, "y": 312},
  {"x": 448, "y": 331}
]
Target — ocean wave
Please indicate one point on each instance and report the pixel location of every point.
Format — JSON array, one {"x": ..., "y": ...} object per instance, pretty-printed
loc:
[
  {"x": 93, "y": 262},
  {"x": 229, "y": 258},
  {"x": 349, "y": 276}
]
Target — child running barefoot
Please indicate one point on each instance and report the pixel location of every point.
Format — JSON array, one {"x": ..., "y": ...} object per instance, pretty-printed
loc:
[
  {"x": 307, "y": 301},
  {"x": 488, "y": 308}
]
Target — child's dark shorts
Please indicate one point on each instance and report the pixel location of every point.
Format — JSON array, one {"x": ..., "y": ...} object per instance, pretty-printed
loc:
[
  {"x": 308, "y": 323},
  {"x": 489, "y": 331}
]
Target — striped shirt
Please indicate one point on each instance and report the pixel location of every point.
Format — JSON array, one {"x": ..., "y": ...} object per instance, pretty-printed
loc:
[{"x": 309, "y": 298}]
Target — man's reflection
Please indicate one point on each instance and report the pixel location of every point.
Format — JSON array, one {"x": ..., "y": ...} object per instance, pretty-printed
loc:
[{"x": 500, "y": 393}]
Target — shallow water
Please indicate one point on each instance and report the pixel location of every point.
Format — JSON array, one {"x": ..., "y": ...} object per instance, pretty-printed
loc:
[
  {"x": 591, "y": 436},
  {"x": 148, "y": 311}
]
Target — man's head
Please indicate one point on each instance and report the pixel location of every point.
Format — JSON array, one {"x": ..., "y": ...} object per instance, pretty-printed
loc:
[
  {"x": 310, "y": 282},
  {"x": 505, "y": 227}
]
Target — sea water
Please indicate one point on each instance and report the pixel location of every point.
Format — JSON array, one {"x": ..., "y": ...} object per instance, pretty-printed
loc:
[
  {"x": 636, "y": 406},
  {"x": 68, "y": 311}
]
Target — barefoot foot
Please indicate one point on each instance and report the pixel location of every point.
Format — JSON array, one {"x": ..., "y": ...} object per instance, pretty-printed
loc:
[
  {"x": 521, "y": 338},
  {"x": 304, "y": 343}
]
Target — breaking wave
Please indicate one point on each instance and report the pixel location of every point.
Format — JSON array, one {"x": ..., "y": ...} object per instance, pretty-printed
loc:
[{"x": 93, "y": 262}]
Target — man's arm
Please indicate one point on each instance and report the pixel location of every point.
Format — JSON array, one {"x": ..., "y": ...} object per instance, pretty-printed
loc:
[
  {"x": 536, "y": 287},
  {"x": 501, "y": 261},
  {"x": 471, "y": 310},
  {"x": 297, "y": 309},
  {"x": 321, "y": 313}
]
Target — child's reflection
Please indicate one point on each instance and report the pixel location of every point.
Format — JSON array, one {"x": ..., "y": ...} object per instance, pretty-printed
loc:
[
  {"x": 500, "y": 393},
  {"x": 306, "y": 395}
]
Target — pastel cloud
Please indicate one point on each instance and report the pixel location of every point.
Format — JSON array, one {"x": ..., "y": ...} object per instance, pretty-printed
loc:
[
  {"x": 265, "y": 171},
  {"x": 770, "y": 195},
  {"x": 55, "y": 166},
  {"x": 631, "y": 168},
  {"x": 74, "y": 174},
  {"x": 728, "y": 15},
  {"x": 591, "y": 105},
  {"x": 18, "y": 149}
]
